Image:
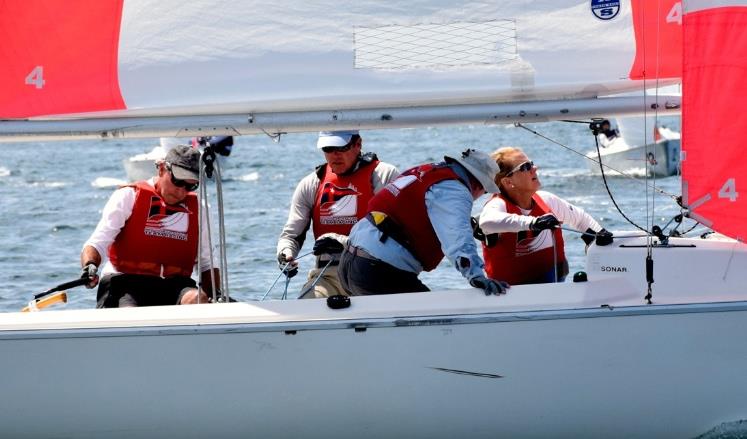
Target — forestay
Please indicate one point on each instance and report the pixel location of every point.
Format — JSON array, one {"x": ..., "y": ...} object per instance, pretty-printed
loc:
[
  {"x": 713, "y": 122},
  {"x": 234, "y": 67}
]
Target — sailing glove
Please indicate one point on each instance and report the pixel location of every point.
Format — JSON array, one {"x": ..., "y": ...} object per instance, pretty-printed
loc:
[
  {"x": 489, "y": 240},
  {"x": 490, "y": 286},
  {"x": 476, "y": 230},
  {"x": 288, "y": 265},
  {"x": 90, "y": 272},
  {"x": 603, "y": 237},
  {"x": 546, "y": 221},
  {"x": 327, "y": 245}
]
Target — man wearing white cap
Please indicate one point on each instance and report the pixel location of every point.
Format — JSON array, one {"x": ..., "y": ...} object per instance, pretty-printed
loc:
[
  {"x": 416, "y": 220},
  {"x": 149, "y": 231},
  {"x": 330, "y": 200}
]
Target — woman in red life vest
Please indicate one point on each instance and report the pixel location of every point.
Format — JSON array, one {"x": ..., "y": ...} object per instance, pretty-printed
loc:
[{"x": 523, "y": 242}]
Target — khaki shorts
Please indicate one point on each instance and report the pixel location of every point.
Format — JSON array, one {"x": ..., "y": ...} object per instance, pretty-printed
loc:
[{"x": 327, "y": 285}]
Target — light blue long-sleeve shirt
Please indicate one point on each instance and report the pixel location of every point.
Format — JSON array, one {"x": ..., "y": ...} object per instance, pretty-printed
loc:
[{"x": 449, "y": 206}]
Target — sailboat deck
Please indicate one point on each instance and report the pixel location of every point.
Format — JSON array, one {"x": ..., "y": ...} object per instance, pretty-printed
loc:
[{"x": 593, "y": 298}]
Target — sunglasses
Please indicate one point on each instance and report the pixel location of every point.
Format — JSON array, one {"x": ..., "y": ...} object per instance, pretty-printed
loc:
[
  {"x": 524, "y": 167},
  {"x": 331, "y": 149},
  {"x": 182, "y": 183}
]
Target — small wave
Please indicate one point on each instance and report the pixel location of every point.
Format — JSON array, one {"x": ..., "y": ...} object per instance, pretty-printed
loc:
[
  {"x": 63, "y": 227},
  {"x": 252, "y": 176},
  {"x": 49, "y": 184},
  {"x": 727, "y": 430},
  {"x": 563, "y": 173},
  {"x": 107, "y": 182},
  {"x": 4, "y": 172}
]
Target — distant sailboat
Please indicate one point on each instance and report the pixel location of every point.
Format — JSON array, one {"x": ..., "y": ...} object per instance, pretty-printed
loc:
[
  {"x": 143, "y": 166},
  {"x": 639, "y": 146}
]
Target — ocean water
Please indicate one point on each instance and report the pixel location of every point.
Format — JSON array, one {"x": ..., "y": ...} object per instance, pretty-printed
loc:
[{"x": 52, "y": 193}]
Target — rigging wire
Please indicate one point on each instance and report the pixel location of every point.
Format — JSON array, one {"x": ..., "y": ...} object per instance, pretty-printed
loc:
[
  {"x": 674, "y": 198},
  {"x": 204, "y": 218},
  {"x": 222, "y": 233},
  {"x": 283, "y": 269},
  {"x": 609, "y": 192},
  {"x": 538, "y": 134},
  {"x": 274, "y": 137}
]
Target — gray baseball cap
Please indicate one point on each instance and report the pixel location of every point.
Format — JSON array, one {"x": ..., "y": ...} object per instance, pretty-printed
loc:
[{"x": 185, "y": 162}]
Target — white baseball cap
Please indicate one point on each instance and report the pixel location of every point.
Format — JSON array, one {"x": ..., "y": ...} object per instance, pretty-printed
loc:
[{"x": 334, "y": 138}]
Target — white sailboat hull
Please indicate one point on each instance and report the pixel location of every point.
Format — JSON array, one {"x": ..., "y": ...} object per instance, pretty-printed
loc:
[
  {"x": 139, "y": 169},
  {"x": 560, "y": 373},
  {"x": 142, "y": 168},
  {"x": 663, "y": 159},
  {"x": 587, "y": 359}
]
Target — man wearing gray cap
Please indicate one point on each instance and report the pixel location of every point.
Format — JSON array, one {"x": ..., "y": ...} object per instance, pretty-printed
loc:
[
  {"x": 416, "y": 220},
  {"x": 330, "y": 200},
  {"x": 149, "y": 231}
]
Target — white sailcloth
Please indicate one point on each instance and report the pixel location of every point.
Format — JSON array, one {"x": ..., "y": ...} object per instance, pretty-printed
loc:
[{"x": 232, "y": 66}]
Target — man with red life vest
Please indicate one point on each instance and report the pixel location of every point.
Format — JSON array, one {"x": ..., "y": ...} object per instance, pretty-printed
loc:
[
  {"x": 417, "y": 219},
  {"x": 520, "y": 226},
  {"x": 149, "y": 231},
  {"x": 330, "y": 200}
]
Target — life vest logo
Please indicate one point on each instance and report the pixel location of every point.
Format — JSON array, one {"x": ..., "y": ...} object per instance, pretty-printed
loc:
[
  {"x": 167, "y": 221},
  {"x": 605, "y": 9},
  {"x": 338, "y": 205},
  {"x": 527, "y": 243}
]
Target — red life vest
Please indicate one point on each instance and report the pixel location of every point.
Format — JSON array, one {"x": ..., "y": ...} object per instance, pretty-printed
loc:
[
  {"x": 157, "y": 239},
  {"x": 403, "y": 202},
  {"x": 341, "y": 200},
  {"x": 514, "y": 258}
]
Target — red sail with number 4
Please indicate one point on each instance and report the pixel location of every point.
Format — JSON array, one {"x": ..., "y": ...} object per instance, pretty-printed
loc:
[{"x": 713, "y": 122}]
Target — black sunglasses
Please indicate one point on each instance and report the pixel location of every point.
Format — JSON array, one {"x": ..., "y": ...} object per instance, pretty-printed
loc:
[
  {"x": 331, "y": 149},
  {"x": 182, "y": 183},
  {"x": 524, "y": 167}
]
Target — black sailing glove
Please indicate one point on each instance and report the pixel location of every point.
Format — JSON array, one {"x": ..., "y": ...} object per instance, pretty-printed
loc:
[
  {"x": 288, "y": 265},
  {"x": 603, "y": 237},
  {"x": 90, "y": 272},
  {"x": 327, "y": 245},
  {"x": 490, "y": 286},
  {"x": 476, "y": 230},
  {"x": 489, "y": 240},
  {"x": 546, "y": 221}
]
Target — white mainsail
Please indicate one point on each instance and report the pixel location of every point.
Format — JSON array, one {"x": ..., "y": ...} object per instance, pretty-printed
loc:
[{"x": 169, "y": 69}]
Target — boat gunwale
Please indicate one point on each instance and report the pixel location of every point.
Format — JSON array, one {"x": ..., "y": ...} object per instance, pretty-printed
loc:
[{"x": 291, "y": 327}]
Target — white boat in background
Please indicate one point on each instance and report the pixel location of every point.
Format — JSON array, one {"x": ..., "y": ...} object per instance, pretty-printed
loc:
[
  {"x": 143, "y": 166},
  {"x": 585, "y": 359},
  {"x": 641, "y": 147}
]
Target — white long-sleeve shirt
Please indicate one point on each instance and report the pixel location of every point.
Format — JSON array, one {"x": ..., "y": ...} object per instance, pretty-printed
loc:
[
  {"x": 495, "y": 218},
  {"x": 116, "y": 212}
]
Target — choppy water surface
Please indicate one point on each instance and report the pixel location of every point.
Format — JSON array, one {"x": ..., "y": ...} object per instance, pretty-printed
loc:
[{"x": 51, "y": 196}]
